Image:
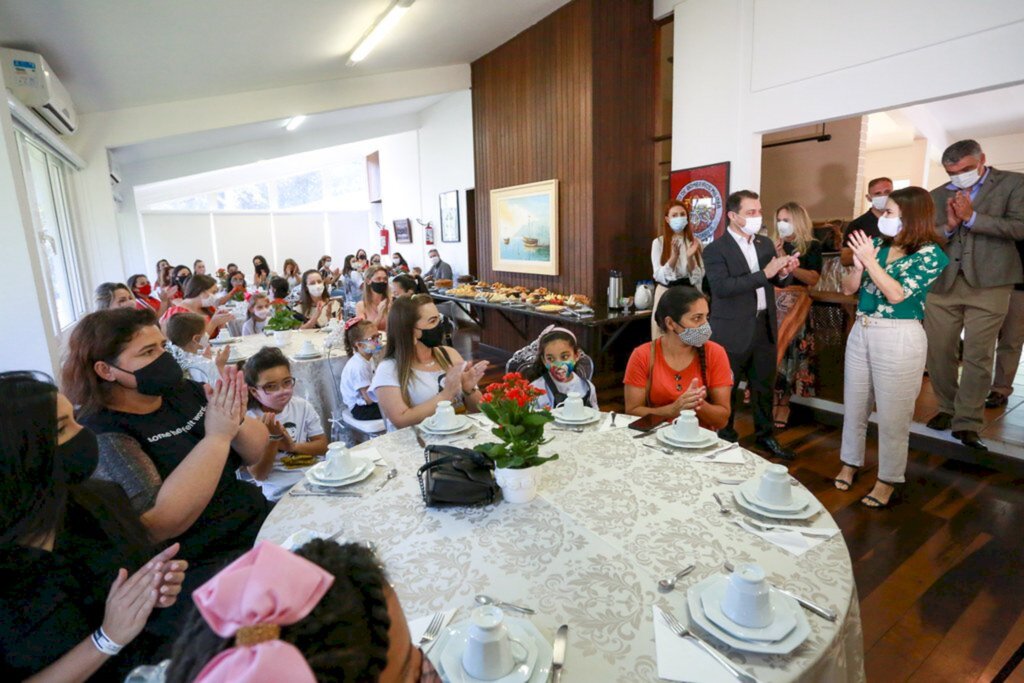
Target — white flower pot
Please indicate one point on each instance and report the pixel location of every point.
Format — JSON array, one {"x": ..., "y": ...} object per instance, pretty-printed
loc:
[{"x": 518, "y": 486}]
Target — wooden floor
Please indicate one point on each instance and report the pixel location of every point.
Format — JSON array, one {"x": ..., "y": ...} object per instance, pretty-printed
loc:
[{"x": 940, "y": 576}]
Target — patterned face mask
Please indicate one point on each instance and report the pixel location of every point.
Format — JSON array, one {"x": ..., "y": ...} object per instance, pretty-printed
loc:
[
  {"x": 696, "y": 336},
  {"x": 561, "y": 370}
]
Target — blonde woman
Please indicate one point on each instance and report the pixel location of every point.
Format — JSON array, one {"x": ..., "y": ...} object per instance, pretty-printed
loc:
[
  {"x": 675, "y": 256},
  {"x": 376, "y": 297},
  {"x": 791, "y": 231}
]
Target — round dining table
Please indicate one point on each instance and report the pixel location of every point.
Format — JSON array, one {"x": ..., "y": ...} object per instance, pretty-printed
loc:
[{"x": 613, "y": 515}]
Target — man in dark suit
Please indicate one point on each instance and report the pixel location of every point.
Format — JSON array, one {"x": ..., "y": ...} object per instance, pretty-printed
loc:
[
  {"x": 980, "y": 215},
  {"x": 741, "y": 268}
]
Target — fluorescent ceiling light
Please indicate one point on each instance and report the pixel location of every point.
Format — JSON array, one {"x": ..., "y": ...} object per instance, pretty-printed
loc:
[
  {"x": 294, "y": 122},
  {"x": 378, "y": 31}
]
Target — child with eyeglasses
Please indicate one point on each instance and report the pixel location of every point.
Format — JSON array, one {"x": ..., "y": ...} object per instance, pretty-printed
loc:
[
  {"x": 296, "y": 434},
  {"x": 363, "y": 343}
]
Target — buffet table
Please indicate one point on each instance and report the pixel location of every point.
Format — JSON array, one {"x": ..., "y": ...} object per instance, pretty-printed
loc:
[{"x": 612, "y": 517}]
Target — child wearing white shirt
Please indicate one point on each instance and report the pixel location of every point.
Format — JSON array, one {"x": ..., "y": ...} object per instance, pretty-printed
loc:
[
  {"x": 363, "y": 343},
  {"x": 259, "y": 312}
]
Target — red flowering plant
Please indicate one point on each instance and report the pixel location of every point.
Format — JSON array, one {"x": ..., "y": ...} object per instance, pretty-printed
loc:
[{"x": 511, "y": 405}]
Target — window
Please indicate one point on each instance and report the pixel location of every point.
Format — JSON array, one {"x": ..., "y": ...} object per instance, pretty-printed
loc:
[{"x": 46, "y": 177}]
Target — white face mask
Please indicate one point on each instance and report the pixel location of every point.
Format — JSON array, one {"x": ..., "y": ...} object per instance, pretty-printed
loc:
[
  {"x": 878, "y": 203},
  {"x": 966, "y": 179},
  {"x": 261, "y": 313},
  {"x": 208, "y": 301},
  {"x": 316, "y": 290},
  {"x": 435, "y": 259},
  {"x": 677, "y": 223},
  {"x": 786, "y": 228},
  {"x": 752, "y": 225},
  {"x": 890, "y": 227}
]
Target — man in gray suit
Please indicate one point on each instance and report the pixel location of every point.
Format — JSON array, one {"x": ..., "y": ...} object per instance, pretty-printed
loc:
[{"x": 980, "y": 213}]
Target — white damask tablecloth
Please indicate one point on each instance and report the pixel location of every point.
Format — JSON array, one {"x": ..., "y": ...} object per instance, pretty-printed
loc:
[{"x": 612, "y": 517}]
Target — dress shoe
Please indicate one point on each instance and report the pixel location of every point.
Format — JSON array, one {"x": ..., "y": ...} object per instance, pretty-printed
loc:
[
  {"x": 940, "y": 422},
  {"x": 729, "y": 435},
  {"x": 970, "y": 439},
  {"x": 774, "y": 448},
  {"x": 996, "y": 400}
]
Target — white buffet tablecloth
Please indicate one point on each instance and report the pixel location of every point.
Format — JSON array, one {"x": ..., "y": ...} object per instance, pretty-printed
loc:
[
  {"x": 318, "y": 379},
  {"x": 612, "y": 517}
]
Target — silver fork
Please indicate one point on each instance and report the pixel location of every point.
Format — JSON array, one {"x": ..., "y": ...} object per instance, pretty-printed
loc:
[
  {"x": 433, "y": 628},
  {"x": 682, "y": 632}
]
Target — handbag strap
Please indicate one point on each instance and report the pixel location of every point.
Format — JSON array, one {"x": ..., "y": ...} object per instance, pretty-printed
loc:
[
  {"x": 477, "y": 458},
  {"x": 650, "y": 376}
]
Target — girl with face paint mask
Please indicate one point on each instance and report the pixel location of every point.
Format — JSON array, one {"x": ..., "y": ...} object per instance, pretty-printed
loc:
[
  {"x": 364, "y": 347},
  {"x": 682, "y": 369},
  {"x": 418, "y": 370},
  {"x": 78, "y": 575},
  {"x": 675, "y": 256},
  {"x": 201, "y": 298},
  {"x": 377, "y": 297},
  {"x": 315, "y": 304},
  {"x": 554, "y": 369}
]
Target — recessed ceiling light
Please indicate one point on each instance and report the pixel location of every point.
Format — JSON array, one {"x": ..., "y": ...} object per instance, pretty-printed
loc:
[
  {"x": 378, "y": 30},
  {"x": 294, "y": 122}
]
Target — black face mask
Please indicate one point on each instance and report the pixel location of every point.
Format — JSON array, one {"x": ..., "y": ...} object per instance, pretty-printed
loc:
[
  {"x": 162, "y": 377},
  {"x": 433, "y": 337},
  {"x": 379, "y": 287},
  {"x": 78, "y": 456}
]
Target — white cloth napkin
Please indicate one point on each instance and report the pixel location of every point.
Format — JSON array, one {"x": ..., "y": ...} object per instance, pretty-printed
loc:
[
  {"x": 733, "y": 456},
  {"x": 482, "y": 420},
  {"x": 681, "y": 660},
  {"x": 621, "y": 422},
  {"x": 792, "y": 541},
  {"x": 417, "y": 627},
  {"x": 369, "y": 451}
]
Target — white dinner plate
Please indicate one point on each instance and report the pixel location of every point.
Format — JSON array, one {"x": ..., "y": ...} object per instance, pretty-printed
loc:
[
  {"x": 801, "y": 498},
  {"x": 363, "y": 469},
  {"x": 781, "y": 626},
  {"x": 541, "y": 669},
  {"x": 782, "y": 647},
  {"x": 463, "y": 423},
  {"x": 589, "y": 415},
  {"x": 806, "y": 513},
  {"x": 307, "y": 356},
  {"x": 665, "y": 436},
  {"x": 239, "y": 358},
  {"x": 220, "y": 341}
]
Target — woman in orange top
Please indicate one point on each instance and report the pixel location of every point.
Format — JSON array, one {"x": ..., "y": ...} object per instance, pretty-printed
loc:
[{"x": 689, "y": 372}]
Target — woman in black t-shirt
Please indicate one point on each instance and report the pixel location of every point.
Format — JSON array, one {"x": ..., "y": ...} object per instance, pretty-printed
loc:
[
  {"x": 63, "y": 538},
  {"x": 196, "y": 436}
]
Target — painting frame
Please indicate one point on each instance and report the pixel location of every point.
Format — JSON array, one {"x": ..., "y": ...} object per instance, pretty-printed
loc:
[
  {"x": 527, "y": 246},
  {"x": 448, "y": 210},
  {"x": 703, "y": 190},
  {"x": 403, "y": 230}
]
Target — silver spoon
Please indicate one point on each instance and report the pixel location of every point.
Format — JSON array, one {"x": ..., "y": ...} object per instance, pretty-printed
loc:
[
  {"x": 392, "y": 473},
  {"x": 721, "y": 506},
  {"x": 488, "y": 600},
  {"x": 575, "y": 430},
  {"x": 667, "y": 585}
]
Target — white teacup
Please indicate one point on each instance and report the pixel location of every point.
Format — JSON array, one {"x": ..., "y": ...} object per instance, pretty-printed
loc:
[
  {"x": 747, "y": 599},
  {"x": 573, "y": 407},
  {"x": 685, "y": 427},
  {"x": 490, "y": 652},
  {"x": 339, "y": 460},
  {"x": 307, "y": 348},
  {"x": 774, "y": 487},
  {"x": 444, "y": 416},
  {"x": 280, "y": 337}
]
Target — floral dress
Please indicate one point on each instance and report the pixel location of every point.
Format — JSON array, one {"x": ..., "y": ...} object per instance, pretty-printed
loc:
[{"x": 915, "y": 272}]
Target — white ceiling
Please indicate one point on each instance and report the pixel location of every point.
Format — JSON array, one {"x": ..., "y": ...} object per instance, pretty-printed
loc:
[
  {"x": 981, "y": 115},
  {"x": 113, "y": 54},
  {"x": 884, "y": 132}
]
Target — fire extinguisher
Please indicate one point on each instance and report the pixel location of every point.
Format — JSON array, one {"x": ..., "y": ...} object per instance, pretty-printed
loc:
[
  {"x": 384, "y": 237},
  {"x": 428, "y": 234}
]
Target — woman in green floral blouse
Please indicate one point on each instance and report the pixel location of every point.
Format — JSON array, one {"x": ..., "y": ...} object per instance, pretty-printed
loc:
[{"x": 885, "y": 352}]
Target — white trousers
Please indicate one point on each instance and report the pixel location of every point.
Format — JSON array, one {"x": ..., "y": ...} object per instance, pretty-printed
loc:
[{"x": 884, "y": 366}]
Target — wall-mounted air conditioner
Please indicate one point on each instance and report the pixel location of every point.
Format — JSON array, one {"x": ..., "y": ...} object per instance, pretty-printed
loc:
[{"x": 31, "y": 80}]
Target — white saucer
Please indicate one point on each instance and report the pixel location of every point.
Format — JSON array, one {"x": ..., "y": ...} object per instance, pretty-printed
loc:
[
  {"x": 464, "y": 423},
  {"x": 307, "y": 356},
  {"x": 800, "y": 500},
  {"x": 540, "y": 670},
  {"x": 363, "y": 469},
  {"x": 589, "y": 415},
  {"x": 220, "y": 341},
  {"x": 239, "y": 358},
  {"x": 781, "y": 626},
  {"x": 782, "y": 647},
  {"x": 451, "y": 656},
  {"x": 709, "y": 439},
  {"x": 805, "y": 513}
]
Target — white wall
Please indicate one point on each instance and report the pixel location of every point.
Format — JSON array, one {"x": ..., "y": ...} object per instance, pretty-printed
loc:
[
  {"x": 733, "y": 82},
  {"x": 899, "y": 163},
  {"x": 446, "y": 163},
  {"x": 1005, "y": 152}
]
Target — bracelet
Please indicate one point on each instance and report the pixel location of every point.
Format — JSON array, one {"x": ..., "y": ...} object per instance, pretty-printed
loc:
[
  {"x": 277, "y": 437},
  {"x": 104, "y": 644}
]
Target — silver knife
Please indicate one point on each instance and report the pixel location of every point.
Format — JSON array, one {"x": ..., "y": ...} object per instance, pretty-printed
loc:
[{"x": 558, "y": 653}]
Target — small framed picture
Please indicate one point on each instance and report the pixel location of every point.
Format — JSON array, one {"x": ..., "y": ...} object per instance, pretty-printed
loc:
[
  {"x": 450, "y": 231},
  {"x": 403, "y": 231}
]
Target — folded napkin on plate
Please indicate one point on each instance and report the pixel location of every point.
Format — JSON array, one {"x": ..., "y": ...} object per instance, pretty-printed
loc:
[
  {"x": 370, "y": 451},
  {"x": 417, "y": 627},
  {"x": 732, "y": 456},
  {"x": 791, "y": 541},
  {"x": 621, "y": 422},
  {"x": 681, "y": 659}
]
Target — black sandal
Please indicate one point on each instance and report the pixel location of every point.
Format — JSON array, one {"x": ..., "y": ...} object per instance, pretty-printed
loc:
[
  {"x": 846, "y": 485},
  {"x": 895, "y": 497}
]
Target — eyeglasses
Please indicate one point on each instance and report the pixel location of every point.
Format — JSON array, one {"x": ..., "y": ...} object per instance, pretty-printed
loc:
[{"x": 274, "y": 387}]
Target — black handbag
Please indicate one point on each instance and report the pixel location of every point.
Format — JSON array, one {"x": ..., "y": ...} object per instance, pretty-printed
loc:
[{"x": 456, "y": 476}]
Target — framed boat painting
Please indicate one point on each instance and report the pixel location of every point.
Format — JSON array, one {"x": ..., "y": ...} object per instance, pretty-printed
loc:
[{"x": 524, "y": 228}]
